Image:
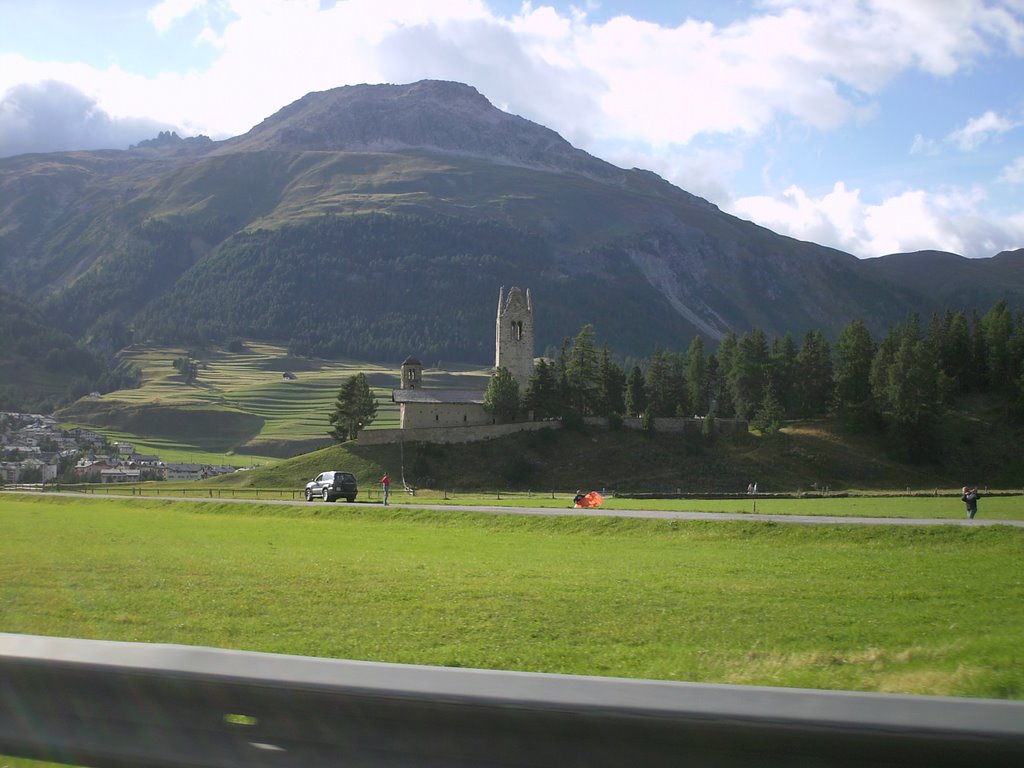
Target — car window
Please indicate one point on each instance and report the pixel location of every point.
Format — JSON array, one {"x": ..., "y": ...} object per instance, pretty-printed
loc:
[
  {"x": 347, "y": 476},
  {"x": 328, "y": 476},
  {"x": 319, "y": 478}
]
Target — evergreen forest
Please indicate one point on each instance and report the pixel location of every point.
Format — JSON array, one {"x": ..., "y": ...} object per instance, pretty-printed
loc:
[{"x": 899, "y": 384}]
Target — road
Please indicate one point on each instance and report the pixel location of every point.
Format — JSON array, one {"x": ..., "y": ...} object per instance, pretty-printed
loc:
[{"x": 650, "y": 514}]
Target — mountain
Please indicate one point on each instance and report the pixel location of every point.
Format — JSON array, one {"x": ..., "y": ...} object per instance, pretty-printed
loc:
[
  {"x": 379, "y": 221},
  {"x": 42, "y": 367}
]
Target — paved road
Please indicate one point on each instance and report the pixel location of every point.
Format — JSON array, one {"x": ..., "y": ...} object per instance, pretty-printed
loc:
[{"x": 651, "y": 514}]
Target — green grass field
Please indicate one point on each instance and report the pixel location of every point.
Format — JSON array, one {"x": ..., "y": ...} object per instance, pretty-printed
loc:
[
  {"x": 240, "y": 410},
  {"x": 946, "y": 505},
  {"x": 936, "y": 610}
]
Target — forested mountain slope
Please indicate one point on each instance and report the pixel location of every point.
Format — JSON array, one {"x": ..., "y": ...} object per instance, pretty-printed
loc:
[{"x": 379, "y": 221}]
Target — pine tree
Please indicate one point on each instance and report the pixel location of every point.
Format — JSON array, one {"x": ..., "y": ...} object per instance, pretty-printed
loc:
[
  {"x": 611, "y": 386},
  {"x": 581, "y": 371},
  {"x": 636, "y": 393},
  {"x": 747, "y": 377},
  {"x": 354, "y": 408},
  {"x": 854, "y": 352},
  {"x": 813, "y": 368},
  {"x": 697, "y": 376},
  {"x": 724, "y": 356},
  {"x": 658, "y": 385},
  {"x": 997, "y": 328},
  {"x": 768, "y": 418},
  {"x": 542, "y": 392},
  {"x": 782, "y": 372},
  {"x": 501, "y": 399}
]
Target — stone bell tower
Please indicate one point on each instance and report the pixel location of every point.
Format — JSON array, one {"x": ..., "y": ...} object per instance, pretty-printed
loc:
[
  {"x": 513, "y": 335},
  {"x": 412, "y": 373}
]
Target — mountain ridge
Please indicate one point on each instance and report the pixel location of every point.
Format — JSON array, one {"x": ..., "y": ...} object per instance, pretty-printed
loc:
[{"x": 377, "y": 221}]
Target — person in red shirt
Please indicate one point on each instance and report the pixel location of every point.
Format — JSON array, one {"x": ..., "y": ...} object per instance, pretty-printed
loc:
[{"x": 385, "y": 483}]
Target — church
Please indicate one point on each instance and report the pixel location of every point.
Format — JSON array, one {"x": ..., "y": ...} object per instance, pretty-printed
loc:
[{"x": 513, "y": 349}]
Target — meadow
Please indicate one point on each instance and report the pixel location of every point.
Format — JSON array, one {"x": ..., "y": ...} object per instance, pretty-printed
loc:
[
  {"x": 931, "y": 610},
  {"x": 943, "y": 504},
  {"x": 240, "y": 410}
]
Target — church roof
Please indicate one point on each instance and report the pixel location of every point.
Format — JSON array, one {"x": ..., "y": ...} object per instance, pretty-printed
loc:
[
  {"x": 410, "y": 360},
  {"x": 438, "y": 396}
]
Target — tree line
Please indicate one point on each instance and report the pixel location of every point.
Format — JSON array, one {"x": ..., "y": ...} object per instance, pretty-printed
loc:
[{"x": 900, "y": 382}]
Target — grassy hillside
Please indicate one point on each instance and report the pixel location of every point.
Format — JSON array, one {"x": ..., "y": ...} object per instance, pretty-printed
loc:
[
  {"x": 806, "y": 456},
  {"x": 240, "y": 409}
]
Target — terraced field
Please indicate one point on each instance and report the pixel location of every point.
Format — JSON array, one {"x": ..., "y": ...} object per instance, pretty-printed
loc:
[{"x": 240, "y": 409}]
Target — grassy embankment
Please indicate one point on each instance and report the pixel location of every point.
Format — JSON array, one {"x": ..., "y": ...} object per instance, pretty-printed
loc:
[
  {"x": 931, "y": 610},
  {"x": 806, "y": 457}
]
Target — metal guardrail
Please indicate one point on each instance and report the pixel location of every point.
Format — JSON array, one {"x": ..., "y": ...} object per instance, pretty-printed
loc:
[{"x": 128, "y": 704}]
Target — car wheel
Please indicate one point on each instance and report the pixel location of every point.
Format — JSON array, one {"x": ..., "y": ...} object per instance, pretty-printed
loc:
[
  {"x": 327, "y": 495},
  {"x": 309, "y": 495},
  {"x": 350, "y": 499}
]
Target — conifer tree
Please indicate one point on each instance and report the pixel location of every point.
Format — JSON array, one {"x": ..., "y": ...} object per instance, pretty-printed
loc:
[
  {"x": 542, "y": 392},
  {"x": 581, "y": 371},
  {"x": 697, "y": 376},
  {"x": 769, "y": 414},
  {"x": 813, "y": 367},
  {"x": 611, "y": 386},
  {"x": 854, "y": 352},
  {"x": 501, "y": 399},
  {"x": 747, "y": 376},
  {"x": 658, "y": 385},
  {"x": 354, "y": 408},
  {"x": 636, "y": 393},
  {"x": 782, "y": 372}
]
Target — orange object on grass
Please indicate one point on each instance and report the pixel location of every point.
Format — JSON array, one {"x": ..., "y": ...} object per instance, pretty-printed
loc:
[{"x": 592, "y": 499}]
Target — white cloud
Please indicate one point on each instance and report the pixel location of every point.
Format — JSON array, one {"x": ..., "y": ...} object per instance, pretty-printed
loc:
[
  {"x": 1014, "y": 172},
  {"x": 163, "y": 15},
  {"x": 912, "y": 220},
  {"x": 819, "y": 63},
  {"x": 980, "y": 129},
  {"x": 924, "y": 146},
  {"x": 53, "y": 116}
]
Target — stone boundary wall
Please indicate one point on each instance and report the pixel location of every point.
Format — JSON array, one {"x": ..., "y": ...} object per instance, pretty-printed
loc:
[
  {"x": 666, "y": 425},
  {"x": 452, "y": 434},
  {"x": 676, "y": 424}
]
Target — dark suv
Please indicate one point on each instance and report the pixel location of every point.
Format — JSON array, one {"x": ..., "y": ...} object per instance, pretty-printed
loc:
[{"x": 331, "y": 486}]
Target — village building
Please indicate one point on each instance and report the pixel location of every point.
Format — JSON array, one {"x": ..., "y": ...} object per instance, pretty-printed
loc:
[
  {"x": 88, "y": 468},
  {"x": 9, "y": 471},
  {"x": 421, "y": 407},
  {"x": 184, "y": 472},
  {"x": 46, "y": 463},
  {"x": 120, "y": 475}
]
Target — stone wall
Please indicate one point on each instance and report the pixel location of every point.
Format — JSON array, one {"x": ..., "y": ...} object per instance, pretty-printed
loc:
[{"x": 451, "y": 434}]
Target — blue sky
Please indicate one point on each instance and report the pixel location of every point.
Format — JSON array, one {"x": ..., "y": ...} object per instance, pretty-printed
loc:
[{"x": 873, "y": 126}]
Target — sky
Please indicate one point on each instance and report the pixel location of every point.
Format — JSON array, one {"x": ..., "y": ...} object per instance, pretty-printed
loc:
[{"x": 871, "y": 126}]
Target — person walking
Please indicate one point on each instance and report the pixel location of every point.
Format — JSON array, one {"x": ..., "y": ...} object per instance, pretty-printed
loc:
[
  {"x": 385, "y": 484},
  {"x": 970, "y": 499}
]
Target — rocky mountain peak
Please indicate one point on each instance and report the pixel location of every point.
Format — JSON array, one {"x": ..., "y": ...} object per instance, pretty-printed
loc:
[{"x": 434, "y": 115}]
